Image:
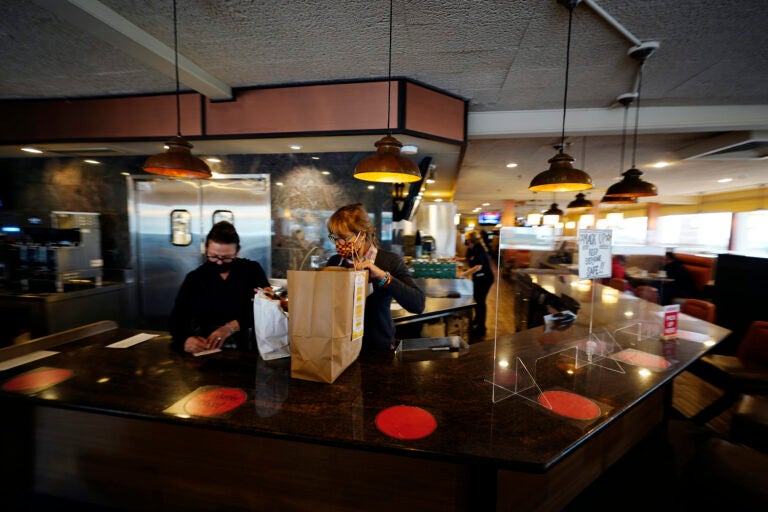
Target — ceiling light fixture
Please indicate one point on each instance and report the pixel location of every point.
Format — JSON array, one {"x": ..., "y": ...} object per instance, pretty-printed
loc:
[
  {"x": 581, "y": 202},
  {"x": 625, "y": 100},
  {"x": 561, "y": 175},
  {"x": 632, "y": 185},
  {"x": 432, "y": 175},
  {"x": 554, "y": 210},
  {"x": 177, "y": 160},
  {"x": 387, "y": 165}
]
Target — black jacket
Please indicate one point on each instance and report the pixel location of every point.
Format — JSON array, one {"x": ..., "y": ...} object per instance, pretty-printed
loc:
[
  {"x": 379, "y": 328},
  {"x": 205, "y": 301}
]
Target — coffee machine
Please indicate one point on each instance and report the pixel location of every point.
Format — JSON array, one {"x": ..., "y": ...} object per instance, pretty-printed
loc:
[{"x": 66, "y": 251}]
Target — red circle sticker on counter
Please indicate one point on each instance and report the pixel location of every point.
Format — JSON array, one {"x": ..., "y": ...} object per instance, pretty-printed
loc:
[
  {"x": 37, "y": 379},
  {"x": 406, "y": 422},
  {"x": 215, "y": 401},
  {"x": 569, "y": 405}
]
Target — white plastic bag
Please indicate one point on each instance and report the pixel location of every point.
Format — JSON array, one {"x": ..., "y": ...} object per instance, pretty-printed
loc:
[{"x": 270, "y": 325}]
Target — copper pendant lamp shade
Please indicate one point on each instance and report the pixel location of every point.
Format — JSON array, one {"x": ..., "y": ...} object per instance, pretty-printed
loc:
[
  {"x": 580, "y": 203},
  {"x": 554, "y": 210},
  {"x": 387, "y": 165},
  {"x": 561, "y": 175},
  {"x": 618, "y": 200},
  {"x": 631, "y": 186},
  {"x": 177, "y": 161}
]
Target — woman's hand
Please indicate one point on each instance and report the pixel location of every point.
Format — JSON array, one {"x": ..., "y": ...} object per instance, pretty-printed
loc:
[
  {"x": 195, "y": 344},
  {"x": 375, "y": 274}
]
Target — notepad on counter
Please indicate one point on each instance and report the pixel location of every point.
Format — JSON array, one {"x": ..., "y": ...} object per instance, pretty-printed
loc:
[
  {"x": 133, "y": 340},
  {"x": 206, "y": 352},
  {"x": 28, "y": 358}
]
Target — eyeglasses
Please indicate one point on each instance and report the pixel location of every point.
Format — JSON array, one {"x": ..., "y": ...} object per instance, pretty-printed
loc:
[
  {"x": 341, "y": 239},
  {"x": 223, "y": 259}
]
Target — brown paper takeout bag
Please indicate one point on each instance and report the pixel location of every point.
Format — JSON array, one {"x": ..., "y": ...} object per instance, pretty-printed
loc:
[{"x": 326, "y": 322}]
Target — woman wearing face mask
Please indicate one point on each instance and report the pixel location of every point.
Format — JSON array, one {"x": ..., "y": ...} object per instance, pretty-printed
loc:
[
  {"x": 215, "y": 300},
  {"x": 351, "y": 231}
]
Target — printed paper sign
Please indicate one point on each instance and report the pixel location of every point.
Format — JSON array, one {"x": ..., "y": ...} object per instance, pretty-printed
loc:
[
  {"x": 671, "y": 312},
  {"x": 595, "y": 253}
]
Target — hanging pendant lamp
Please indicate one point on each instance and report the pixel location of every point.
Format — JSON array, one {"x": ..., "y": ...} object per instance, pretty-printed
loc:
[
  {"x": 561, "y": 175},
  {"x": 625, "y": 100},
  {"x": 177, "y": 160},
  {"x": 554, "y": 210},
  {"x": 632, "y": 185},
  {"x": 387, "y": 165},
  {"x": 580, "y": 203}
]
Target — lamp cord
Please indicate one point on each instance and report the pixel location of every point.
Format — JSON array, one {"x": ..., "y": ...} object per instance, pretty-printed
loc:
[
  {"x": 624, "y": 137},
  {"x": 637, "y": 113},
  {"x": 389, "y": 71},
  {"x": 176, "y": 65},
  {"x": 567, "y": 67}
]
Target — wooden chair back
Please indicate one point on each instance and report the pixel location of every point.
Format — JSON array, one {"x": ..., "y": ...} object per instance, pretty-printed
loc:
[
  {"x": 701, "y": 309},
  {"x": 648, "y": 293},
  {"x": 618, "y": 283}
]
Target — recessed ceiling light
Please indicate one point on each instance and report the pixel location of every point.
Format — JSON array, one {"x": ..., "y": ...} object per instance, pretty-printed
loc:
[
  {"x": 213, "y": 160},
  {"x": 31, "y": 150},
  {"x": 371, "y": 187},
  {"x": 315, "y": 158},
  {"x": 725, "y": 180},
  {"x": 325, "y": 172},
  {"x": 659, "y": 165},
  {"x": 295, "y": 147},
  {"x": 511, "y": 165},
  {"x": 94, "y": 162}
]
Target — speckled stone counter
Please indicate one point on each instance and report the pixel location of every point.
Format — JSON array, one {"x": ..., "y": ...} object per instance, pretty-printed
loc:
[{"x": 109, "y": 435}]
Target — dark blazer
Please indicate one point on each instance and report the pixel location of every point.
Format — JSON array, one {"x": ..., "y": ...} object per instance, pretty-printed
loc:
[
  {"x": 205, "y": 301},
  {"x": 379, "y": 328}
]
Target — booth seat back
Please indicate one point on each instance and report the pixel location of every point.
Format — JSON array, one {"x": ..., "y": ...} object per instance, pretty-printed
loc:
[{"x": 701, "y": 268}]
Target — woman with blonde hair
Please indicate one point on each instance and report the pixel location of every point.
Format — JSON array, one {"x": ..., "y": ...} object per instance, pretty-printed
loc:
[
  {"x": 479, "y": 269},
  {"x": 352, "y": 232}
]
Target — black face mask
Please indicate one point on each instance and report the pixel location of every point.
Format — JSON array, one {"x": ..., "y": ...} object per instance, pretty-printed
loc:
[{"x": 216, "y": 268}]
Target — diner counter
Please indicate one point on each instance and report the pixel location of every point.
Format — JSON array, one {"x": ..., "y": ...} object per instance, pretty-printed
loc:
[{"x": 115, "y": 432}]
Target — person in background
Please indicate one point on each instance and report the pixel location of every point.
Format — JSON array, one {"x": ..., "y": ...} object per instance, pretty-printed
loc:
[
  {"x": 618, "y": 270},
  {"x": 351, "y": 231},
  {"x": 215, "y": 300},
  {"x": 479, "y": 269},
  {"x": 682, "y": 286}
]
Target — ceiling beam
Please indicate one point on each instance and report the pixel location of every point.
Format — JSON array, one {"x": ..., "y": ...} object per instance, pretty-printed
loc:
[
  {"x": 99, "y": 20},
  {"x": 606, "y": 121}
]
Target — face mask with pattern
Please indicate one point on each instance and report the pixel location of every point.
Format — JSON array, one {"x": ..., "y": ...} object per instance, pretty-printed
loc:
[{"x": 346, "y": 248}]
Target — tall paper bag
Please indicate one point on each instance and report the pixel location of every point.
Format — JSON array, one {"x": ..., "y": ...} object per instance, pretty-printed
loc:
[{"x": 325, "y": 326}]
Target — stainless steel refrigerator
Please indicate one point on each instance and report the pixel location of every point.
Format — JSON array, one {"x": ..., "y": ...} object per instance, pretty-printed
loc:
[{"x": 168, "y": 221}]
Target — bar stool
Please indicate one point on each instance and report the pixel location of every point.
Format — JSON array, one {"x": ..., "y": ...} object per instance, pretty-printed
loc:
[
  {"x": 749, "y": 422},
  {"x": 746, "y": 372}
]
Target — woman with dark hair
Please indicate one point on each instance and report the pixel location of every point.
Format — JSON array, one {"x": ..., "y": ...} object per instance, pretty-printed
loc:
[
  {"x": 215, "y": 300},
  {"x": 479, "y": 269},
  {"x": 352, "y": 232}
]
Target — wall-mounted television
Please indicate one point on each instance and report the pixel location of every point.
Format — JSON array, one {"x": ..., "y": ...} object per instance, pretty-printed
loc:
[{"x": 488, "y": 218}]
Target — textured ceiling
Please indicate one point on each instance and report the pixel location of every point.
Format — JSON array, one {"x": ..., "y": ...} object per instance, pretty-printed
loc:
[{"x": 709, "y": 76}]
